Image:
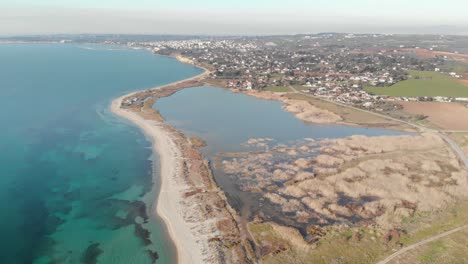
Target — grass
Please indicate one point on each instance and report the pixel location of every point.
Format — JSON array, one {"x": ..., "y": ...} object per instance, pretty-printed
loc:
[
  {"x": 341, "y": 246},
  {"x": 460, "y": 138},
  {"x": 435, "y": 248},
  {"x": 301, "y": 87},
  {"x": 455, "y": 66},
  {"x": 277, "y": 76},
  {"x": 427, "y": 225},
  {"x": 278, "y": 89},
  {"x": 216, "y": 82},
  {"x": 350, "y": 116},
  {"x": 336, "y": 247},
  {"x": 451, "y": 249},
  {"x": 424, "y": 84}
]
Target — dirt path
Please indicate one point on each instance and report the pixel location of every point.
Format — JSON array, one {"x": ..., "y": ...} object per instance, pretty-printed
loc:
[{"x": 431, "y": 239}]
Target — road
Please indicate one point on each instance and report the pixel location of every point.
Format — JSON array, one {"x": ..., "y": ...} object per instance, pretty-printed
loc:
[
  {"x": 458, "y": 151},
  {"x": 455, "y": 147},
  {"x": 431, "y": 239}
]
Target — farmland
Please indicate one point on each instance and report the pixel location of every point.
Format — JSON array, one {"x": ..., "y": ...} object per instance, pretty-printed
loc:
[
  {"x": 424, "y": 84},
  {"x": 447, "y": 116}
]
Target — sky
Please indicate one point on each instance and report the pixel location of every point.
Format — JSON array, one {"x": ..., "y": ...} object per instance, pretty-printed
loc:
[{"x": 227, "y": 17}]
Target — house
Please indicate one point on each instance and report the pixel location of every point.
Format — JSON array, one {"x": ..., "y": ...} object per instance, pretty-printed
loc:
[
  {"x": 367, "y": 104},
  {"x": 248, "y": 86}
]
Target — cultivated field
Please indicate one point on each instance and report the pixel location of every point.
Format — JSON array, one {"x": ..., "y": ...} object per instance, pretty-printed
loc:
[
  {"x": 465, "y": 79},
  {"x": 424, "y": 84},
  {"x": 447, "y": 116},
  {"x": 424, "y": 53}
]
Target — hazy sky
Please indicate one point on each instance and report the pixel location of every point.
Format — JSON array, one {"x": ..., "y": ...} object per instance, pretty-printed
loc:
[{"x": 232, "y": 17}]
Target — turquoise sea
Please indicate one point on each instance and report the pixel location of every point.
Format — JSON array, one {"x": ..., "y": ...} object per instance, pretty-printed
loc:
[{"x": 75, "y": 181}]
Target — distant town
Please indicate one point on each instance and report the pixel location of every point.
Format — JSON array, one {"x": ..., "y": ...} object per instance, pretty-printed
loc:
[
  {"x": 346, "y": 68},
  {"x": 374, "y": 168},
  {"x": 374, "y": 72}
]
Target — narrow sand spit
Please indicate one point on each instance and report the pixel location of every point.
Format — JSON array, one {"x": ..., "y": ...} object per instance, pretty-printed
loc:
[
  {"x": 200, "y": 221},
  {"x": 172, "y": 187}
]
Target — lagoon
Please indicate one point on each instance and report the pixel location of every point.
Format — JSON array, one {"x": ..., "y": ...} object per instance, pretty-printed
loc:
[{"x": 227, "y": 120}]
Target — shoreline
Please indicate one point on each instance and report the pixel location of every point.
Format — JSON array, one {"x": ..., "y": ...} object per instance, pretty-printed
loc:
[
  {"x": 201, "y": 224},
  {"x": 163, "y": 144},
  {"x": 163, "y": 138},
  {"x": 194, "y": 241}
]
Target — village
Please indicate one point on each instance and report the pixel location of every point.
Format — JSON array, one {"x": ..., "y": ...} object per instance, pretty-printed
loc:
[{"x": 337, "y": 67}]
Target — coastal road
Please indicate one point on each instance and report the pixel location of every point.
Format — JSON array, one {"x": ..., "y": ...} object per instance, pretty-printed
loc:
[
  {"x": 431, "y": 239},
  {"x": 458, "y": 151}
]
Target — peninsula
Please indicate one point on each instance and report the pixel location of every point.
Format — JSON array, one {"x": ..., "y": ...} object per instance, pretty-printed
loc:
[
  {"x": 329, "y": 195},
  {"x": 201, "y": 223}
]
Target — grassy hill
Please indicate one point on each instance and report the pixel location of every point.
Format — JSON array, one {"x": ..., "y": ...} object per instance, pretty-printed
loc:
[{"x": 424, "y": 83}]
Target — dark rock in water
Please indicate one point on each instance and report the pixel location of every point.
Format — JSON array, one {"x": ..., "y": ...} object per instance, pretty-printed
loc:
[
  {"x": 45, "y": 248},
  {"x": 52, "y": 223},
  {"x": 91, "y": 254},
  {"x": 142, "y": 233},
  {"x": 153, "y": 255},
  {"x": 71, "y": 195},
  {"x": 139, "y": 209}
]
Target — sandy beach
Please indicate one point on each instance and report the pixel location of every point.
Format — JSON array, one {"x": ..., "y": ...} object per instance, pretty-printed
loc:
[
  {"x": 200, "y": 222},
  {"x": 172, "y": 186},
  {"x": 169, "y": 199}
]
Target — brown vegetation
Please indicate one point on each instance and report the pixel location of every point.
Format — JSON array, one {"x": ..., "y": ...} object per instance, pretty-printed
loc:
[
  {"x": 205, "y": 204},
  {"x": 424, "y": 53},
  {"x": 358, "y": 180},
  {"x": 447, "y": 116}
]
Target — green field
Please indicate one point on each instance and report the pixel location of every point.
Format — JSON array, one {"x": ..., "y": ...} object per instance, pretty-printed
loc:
[
  {"x": 278, "y": 89},
  {"x": 423, "y": 83},
  {"x": 301, "y": 87}
]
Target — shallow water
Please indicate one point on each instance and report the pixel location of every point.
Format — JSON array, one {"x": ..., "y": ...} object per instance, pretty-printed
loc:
[
  {"x": 226, "y": 120},
  {"x": 76, "y": 183}
]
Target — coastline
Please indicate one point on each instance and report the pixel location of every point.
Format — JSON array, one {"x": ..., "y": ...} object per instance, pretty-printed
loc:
[
  {"x": 200, "y": 222},
  {"x": 166, "y": 143},
  {"x": 201, "y": 238},
  {"x": 167, "y": 205}
]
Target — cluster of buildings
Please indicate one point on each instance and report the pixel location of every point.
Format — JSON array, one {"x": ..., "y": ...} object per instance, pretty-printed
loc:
[{"x": 335, "y": 66}]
